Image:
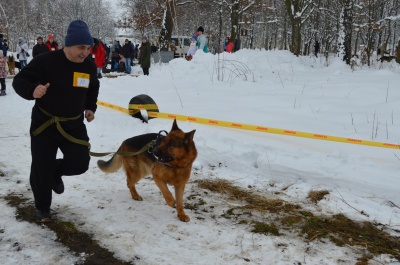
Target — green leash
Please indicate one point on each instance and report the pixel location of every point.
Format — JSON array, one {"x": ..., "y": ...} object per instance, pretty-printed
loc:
[
  {"x": 143, "y": 149},
  {"x": 57, "y": 120}
]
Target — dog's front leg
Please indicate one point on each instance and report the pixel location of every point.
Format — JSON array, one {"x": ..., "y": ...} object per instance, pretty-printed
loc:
[
  {"x": 169, "y": 199},
  {"x": 179, "y": 190}
]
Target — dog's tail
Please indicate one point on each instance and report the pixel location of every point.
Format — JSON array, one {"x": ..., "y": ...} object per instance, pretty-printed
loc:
[{"x": 111, "y": 165}]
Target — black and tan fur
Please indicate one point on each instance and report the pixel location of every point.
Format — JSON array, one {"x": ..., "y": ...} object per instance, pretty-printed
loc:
[{"x": 170, "y": 163}]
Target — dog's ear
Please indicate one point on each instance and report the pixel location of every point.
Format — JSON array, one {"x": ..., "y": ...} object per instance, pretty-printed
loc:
[
  {"x": 189, "y": 136},
  {"x": 175, "y": 126}
]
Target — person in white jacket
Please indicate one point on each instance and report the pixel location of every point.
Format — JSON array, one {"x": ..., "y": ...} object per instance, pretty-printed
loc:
[
  {"x": 22, "y": 52},
  {"x": 193, "y": 48}
]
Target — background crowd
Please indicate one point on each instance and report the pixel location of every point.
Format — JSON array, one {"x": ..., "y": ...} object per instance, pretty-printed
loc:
[{"x": 119, "y": 57}]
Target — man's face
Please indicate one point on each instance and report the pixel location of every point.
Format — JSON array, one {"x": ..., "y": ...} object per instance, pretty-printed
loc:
[
  {"x": 40, "y": 41},
  {"x": 77, "y": 53}
]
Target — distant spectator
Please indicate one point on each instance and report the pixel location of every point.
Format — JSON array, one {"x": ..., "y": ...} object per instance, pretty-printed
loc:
[
  {"x": 229, "y": 47},
  {"x": 22, "y": 52},
  {"x": 316, "y": 48},
  {"x": 154, "y": 47},
  {"x": 173, "y": 47},
  {"x": 40, "y": 47},
  {"x": 193, "y": 47},
  {"x": 127, "y": 52},
  {"x": 202, "y": 39},
  {"x": 145, "y": 53},
  {"x": 238, "y": 43},
  {"x": 114, "y": 54},
  {"x": 51, "y": 44},
  {"x": 137, "y": 51},
  {"x": 3, "y": 73},
  {"x": 226, "y": 42},
  {"x": 3, "y": 45},
  {"x": 133, "y": 53},
  {"x": 99, "y": 55},
  {"x": 107, "y": 49}
]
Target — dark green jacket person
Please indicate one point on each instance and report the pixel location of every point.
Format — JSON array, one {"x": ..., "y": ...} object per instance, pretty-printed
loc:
[{"x": 145, "y": 53}]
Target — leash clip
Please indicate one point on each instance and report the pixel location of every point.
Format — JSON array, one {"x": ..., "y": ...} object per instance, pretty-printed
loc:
[{"x": 157, "y": 141}]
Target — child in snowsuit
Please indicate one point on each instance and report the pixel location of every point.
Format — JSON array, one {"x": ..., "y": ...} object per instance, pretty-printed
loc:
[{"x": 193, "y": 47}]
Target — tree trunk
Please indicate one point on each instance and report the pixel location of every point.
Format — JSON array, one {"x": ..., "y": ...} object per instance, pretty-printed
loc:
[
  {"x": 347, "y": 24},
  {"x": 234, "y": 21},
  {"x": 398, "y": 53},
  {"x": 292, "y": 8},
  {"x": 296, "y": 37},
  {"x": 169, "y": 20}
]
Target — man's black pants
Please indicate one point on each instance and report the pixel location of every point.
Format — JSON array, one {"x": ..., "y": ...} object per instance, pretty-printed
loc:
[{"x": 46, "y": 169}]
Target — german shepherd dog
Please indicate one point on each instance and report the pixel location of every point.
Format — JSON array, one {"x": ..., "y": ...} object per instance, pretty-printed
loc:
[
  {"x": 387, "y": 58},
  {"x": 11, "y": 65},
  {"x": 169, "y": 161}
]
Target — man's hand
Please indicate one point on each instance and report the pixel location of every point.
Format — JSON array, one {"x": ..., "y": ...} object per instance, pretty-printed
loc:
[
  {"x": 89, "y": 115},
  {"x": 40, "y": 90}
]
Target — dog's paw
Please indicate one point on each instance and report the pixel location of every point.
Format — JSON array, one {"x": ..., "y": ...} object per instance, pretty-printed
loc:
[
  {"x": 137, "y": 198},
  {"x": 170, "y": 202},
  {"x": 184, "y": 217}
]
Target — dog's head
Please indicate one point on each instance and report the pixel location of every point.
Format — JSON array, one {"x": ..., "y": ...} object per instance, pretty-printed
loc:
[{"x": 177, "y": 149}]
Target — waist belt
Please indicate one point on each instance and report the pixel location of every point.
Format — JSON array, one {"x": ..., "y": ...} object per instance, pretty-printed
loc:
[{"x": 57, "y": 120}]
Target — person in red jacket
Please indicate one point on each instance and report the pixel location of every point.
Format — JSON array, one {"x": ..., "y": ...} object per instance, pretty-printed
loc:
[
  {"x": 99, "y": 55},
  {"x": 51, "y": 44},
  {"x": 229, "y": 47}
]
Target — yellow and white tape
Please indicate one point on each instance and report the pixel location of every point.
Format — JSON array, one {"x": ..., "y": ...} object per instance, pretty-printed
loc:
[{"x": 243, "y": 126}]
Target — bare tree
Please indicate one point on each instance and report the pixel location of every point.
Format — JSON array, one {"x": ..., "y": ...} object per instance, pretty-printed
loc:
[
  {"x": 358, "y": 26},
  {"x": 298, "y": 12},
  {"x": 347, "y": 26}
]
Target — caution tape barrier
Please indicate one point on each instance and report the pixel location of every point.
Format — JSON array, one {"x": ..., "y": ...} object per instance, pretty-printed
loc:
[{"x": 248, "y": 127}]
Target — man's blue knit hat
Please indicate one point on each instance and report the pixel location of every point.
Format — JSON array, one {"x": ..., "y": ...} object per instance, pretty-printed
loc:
[{"x": 78, "y": 34}]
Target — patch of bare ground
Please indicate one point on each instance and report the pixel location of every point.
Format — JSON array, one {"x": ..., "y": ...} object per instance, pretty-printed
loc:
[
  {"x": 67, "y": 234},
  {"x": 287, "y": 217}
]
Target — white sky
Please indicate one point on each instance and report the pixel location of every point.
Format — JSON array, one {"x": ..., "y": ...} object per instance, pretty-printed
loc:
[
  {"x": 116, "y": 10},
  {"x": 281, "y": 91}
]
